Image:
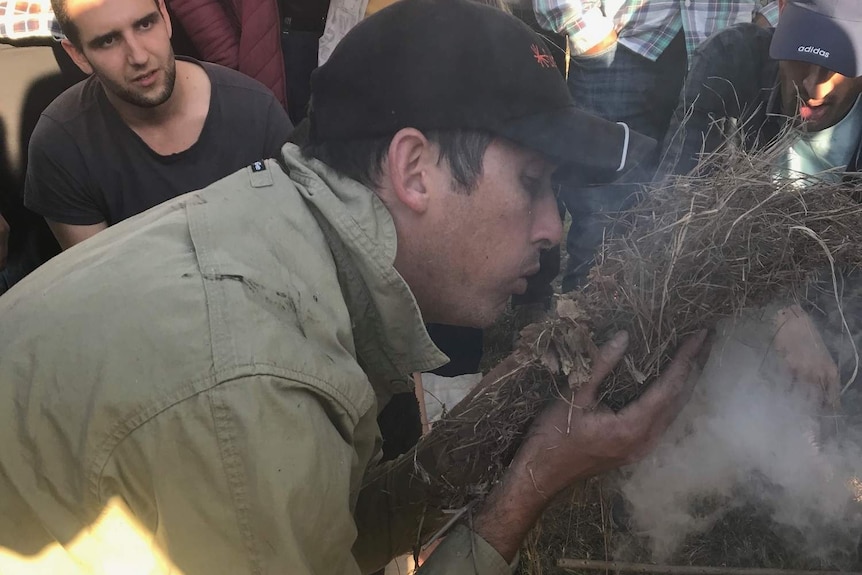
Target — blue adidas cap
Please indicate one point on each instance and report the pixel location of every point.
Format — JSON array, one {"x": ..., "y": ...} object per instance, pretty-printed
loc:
[{"x": 823, "y": 32}]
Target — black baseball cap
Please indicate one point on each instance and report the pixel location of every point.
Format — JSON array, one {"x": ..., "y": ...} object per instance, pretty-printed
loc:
[
  {"x": 823, "y": 32},
  {"x": 458, "y": 64}
]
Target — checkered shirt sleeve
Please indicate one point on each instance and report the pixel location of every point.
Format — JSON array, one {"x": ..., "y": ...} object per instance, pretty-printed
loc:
[{"x": 22, "y": 20}]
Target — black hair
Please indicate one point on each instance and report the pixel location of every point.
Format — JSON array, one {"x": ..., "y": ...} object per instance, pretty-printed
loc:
[
  {"x": 67, "y": 26},
  {"x": 362, "y": 160}
]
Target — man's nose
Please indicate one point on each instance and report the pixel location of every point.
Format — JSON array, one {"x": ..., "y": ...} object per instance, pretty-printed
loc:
[
  {"x": 815, "y": 82},
  {"x": 135, "y": 52},
  {"x": 547, "y": 224}
]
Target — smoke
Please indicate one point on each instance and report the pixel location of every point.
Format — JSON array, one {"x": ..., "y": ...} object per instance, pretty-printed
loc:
[{"x": 750, "y": 436}]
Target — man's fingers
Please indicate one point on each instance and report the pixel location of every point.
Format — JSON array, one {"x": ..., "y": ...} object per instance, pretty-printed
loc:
[
  {"x": 661, "y": 402},
  {"x": 605, "y": 360}
]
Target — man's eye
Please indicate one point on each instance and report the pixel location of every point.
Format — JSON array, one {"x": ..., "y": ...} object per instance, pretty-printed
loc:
[
  {"x": 146, "y": 25},
  {"x": 107, "y": 42},
  {"x": 532, "y": 185}
]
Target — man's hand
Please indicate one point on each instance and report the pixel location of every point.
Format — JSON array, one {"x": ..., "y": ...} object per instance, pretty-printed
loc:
[
  {"x": 563, "y": 448},
  {"x": 4, "y": 242},
  {"x": 578, "y": 438},
  {"x": 798, "y": 341}
]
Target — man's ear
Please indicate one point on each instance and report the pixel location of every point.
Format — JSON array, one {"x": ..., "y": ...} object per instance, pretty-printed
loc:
[
  {"x": 409, "y": 164},
  {"x": 77, "y": 56}
]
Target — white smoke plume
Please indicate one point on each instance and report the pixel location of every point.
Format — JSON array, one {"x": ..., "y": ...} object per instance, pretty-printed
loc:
[{"x": 749, "y": 435}]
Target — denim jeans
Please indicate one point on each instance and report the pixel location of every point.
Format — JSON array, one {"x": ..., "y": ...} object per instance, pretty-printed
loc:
[{"x": 620, "y": 86}]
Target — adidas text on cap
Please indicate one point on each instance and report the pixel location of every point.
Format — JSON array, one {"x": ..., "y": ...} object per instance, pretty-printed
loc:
[{"x": 827, "y": 33}]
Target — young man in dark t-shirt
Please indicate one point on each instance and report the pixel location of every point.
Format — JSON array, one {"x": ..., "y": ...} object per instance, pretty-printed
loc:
[{"x": 145, "y": 127}]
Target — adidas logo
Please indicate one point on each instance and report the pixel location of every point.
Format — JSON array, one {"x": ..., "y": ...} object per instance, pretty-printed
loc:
[{"x": 813, "y": 50}]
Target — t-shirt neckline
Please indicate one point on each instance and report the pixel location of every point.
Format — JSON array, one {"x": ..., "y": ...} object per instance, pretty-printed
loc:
[{"x": 117, "y": 120}]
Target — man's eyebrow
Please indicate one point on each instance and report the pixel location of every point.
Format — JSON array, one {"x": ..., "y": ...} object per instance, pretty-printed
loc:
[
  {"x": 98, "y": 40},
  {"x": 149, "y": 18}
]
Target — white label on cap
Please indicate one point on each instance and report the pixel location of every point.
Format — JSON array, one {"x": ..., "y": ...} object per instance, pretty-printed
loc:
[{"x": 813, "y": 50}]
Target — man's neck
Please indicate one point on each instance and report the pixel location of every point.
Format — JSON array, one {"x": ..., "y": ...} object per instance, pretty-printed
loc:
[
  {"x": 175, "y": 125},
  {"x": 138, "y": 117}
]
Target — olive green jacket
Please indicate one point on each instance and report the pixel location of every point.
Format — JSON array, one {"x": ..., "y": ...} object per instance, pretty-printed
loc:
[{"x": 195, "y": 390}]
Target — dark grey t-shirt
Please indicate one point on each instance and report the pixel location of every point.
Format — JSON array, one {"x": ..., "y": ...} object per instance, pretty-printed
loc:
[{"x": 87, "y": 166}]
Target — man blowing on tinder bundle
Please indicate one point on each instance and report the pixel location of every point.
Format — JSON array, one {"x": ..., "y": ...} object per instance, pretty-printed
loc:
[
  {"x": 205, "y": 378},
  {"x": 145, "y": 127}
]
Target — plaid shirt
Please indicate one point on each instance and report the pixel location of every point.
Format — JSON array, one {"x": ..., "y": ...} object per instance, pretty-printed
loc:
[
  {"x": 21, "y": 20},
  {"x": 644, "y": 26}
]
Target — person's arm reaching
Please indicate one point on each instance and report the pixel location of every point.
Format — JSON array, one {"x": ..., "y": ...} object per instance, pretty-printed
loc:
[
  {"x": 393, "y": 507},
  {"x": 557, "y": 454},
  {"x": 799, "y": 342},
  {"x": 68, "y": 235},
  {"x": 723, "y": 88},
  {"x": 548, "y": 461}
]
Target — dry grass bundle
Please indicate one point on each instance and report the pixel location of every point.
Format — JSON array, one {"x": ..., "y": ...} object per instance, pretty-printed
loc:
[
  {"x": 697, "y": 249},
  {"x": 701, "y": 248}
]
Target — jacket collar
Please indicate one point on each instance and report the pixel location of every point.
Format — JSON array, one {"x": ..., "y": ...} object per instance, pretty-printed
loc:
[{"x": 388, "y": 331}]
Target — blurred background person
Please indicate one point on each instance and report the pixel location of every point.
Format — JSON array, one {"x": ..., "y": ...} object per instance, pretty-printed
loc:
[
  {"x": 36, "y": 69},
  {"x": 747, "y": 85},
  {"x": 628, "y": 60},
  {"x": 272, "y": 41},
  {"x": 31, "y": 79},
  {"x": 797, "y": 87},
  {"x": 145, "y": 127}
]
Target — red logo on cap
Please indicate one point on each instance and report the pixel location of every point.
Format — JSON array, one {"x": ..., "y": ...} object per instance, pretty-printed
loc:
[{"x": 542, "y": 57}]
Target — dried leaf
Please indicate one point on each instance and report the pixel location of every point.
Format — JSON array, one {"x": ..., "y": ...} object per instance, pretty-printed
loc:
[
  {"x": 570, "y": 309},
  {"x": 580, "y": 373},
  {"x": 551, "y": 360}
]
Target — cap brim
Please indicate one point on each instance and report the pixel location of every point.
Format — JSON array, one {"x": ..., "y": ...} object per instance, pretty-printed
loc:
[
  {"x": 589, "y": 149},
  {"x": 808, "y": 36}
]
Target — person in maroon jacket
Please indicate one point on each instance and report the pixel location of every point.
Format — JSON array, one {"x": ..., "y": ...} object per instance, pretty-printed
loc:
[
  {"x": 273, "y": 41},
  {"x": 241, "y": 34}
]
